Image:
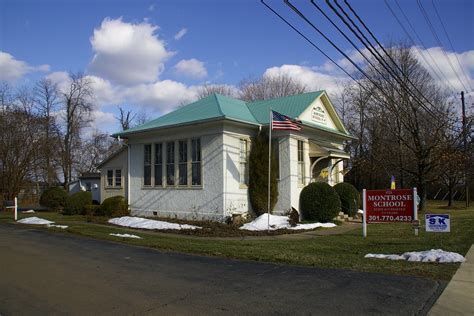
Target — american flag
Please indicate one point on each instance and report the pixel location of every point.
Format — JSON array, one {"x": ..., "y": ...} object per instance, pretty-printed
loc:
[{"x": 283, "y": 122}]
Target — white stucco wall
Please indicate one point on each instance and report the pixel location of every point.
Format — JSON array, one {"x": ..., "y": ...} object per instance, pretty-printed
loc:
[{"x": 205, "y": 202}]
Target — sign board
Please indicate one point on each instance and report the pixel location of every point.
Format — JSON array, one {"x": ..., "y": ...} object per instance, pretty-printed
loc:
[
  {"x": 318, "y": 114},
  {"x": 438, "y": 223},
  {"x": 389, "y": 206}
]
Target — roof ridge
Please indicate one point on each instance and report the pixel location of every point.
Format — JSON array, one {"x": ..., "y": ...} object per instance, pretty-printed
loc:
[{"x": 288, "y": 96}]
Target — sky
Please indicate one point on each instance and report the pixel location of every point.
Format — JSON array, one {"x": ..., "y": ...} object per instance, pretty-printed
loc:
[{"x": 151, "y": 56}]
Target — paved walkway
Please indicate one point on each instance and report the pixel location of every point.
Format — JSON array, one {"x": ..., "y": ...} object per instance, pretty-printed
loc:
[{"x": 458, "y": 297}]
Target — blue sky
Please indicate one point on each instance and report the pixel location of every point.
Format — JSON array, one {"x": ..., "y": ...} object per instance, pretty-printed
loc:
[{"x": 154, "y": 55}]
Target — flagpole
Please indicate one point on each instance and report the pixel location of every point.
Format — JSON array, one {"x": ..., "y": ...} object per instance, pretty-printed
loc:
[{"x": 269, "y": 165}]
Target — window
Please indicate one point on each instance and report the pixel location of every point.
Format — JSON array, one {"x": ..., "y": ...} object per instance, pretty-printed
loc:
[
  {"x": 158, "y": 164},
  {"x": 118, "y": 178},
  {"x": 301, "y": 162},
  {"x": 196, "y": 161},
  {"x": 183, "y": 162},
  {"x": 243, "y": 161},
  {"x": 276, "y": 154},
  {"x": 114, "y": 179},
  {"x": 110, "y": 178},
  {"x": 170, "y": 163},
  {"x": 147, "y": 165}
]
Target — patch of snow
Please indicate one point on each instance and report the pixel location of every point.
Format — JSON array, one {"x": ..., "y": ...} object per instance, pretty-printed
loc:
[
  {"x": 35, "y": 221},
  {"x": 138, "y": 222},
  {"x": 280, "y": 222},
  {"x": 360, "y": 212},
  {"x": 126, "y": 236},
  {"x": 58, "y": 226},
  {"x": 29, "y": 211},
  {"x": 433, "y": 255}
]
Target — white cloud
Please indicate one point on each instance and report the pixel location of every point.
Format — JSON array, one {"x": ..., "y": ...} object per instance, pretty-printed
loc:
[
  {"x": 191, "y": 68},
  {"x": 161, "y": 96},
  {"x": 311, "y": 78},
  {"x": 151, "y": 8},
  {"x": 127, "y": 53},
  {"x": 436, "y": 60},
  {"x": 181, "y": 33},
  {"x": 12, "y": 69}
]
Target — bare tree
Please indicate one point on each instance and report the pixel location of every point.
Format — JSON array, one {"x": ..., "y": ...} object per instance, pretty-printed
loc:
[
  {"x": 20, "y": 138},
  {"x": 95, "y": 149},
  {"x": 47, "y": 101},
  {"x": 126, "y": 118},
  {"x": 207, "y": 90},
  {"x": 269, "y": 87},
  {"x": 76, "y": 109}
]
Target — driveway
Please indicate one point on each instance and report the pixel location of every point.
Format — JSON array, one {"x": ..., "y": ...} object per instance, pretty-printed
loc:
[{"x": 44, "y": 273}]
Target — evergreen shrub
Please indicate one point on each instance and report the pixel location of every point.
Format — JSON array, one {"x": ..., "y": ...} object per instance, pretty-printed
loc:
[
  {"x": 54, "y": 198},
  {"x": 350, "y": 198},
  {"x": 114, "y": 206},
  {"x": 258, "y": 176},
  {"x": 319, "y": 202},
  {"x": 78, "y": 203}
]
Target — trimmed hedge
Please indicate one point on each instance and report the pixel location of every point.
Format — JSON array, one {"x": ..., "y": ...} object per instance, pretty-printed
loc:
[
  {"x": 350, "y": 198},
  {"x": 320, "y": 202},
  {"x": 114, "y": 206},
  {"x": 54, "y": 198},
  {"x": 77, "y": 204}
]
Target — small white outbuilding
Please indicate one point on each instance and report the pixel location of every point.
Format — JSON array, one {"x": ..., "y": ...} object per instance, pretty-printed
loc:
[{"x": 193, "y": 162}]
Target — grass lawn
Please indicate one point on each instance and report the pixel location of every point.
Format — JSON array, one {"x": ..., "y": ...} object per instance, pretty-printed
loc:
[{"x": 345, "y": 251}]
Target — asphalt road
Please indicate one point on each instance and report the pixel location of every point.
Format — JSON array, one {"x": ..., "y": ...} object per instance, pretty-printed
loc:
[{"x": 43, "y": 273}]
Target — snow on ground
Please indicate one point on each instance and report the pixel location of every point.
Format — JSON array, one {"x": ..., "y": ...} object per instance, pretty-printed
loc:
[
  {"x": 29, "y": 211},
  {"x": 360, "y": 212},
  {"x": 280, "y": 222},
  {"x": 126, "y": 236},
  {"x": 138, "y": 222},
  {"x": 35, "y": 221},
  {"x": 58, "y": 226},
  {"x": 433, "y": 255}
]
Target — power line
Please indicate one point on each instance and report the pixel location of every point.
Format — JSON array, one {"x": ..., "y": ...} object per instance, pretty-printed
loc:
[
  {"x": 415, "y": 45},
  {"x": 451, "y": 44},
  {"x": 390, "y": 71},
  {"x": 377, "y": 51},
  {"x": 433, "y": 31},
  {"x": 344, "y": 54}
]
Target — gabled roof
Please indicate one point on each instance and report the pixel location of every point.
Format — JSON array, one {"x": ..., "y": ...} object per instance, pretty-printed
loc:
[
  {"x": 218, "y": 107},
  {"x": 291, "y": 106},
  {"x": 111, "y": 156}
]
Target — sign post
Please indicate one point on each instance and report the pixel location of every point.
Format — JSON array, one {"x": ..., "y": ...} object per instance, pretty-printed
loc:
[
  {"x": 364, "y": 215},
  {"x": 415, "y": 209},
  {"x": 387, "y": 206}
]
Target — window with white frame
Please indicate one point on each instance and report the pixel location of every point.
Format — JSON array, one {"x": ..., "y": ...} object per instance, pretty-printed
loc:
[
  {"x": 158, "y": 164},
  {"x": 301, "y": 167},
  {"x": 183, "y": 162},
  {"x": 243, "y": 160},
  {"x": 113, "y": 180},
  {"x": 147, "y": 165},
  {"x": 170, "y": 168},
  {"x": 118, "y": 178},
  {"x": 196, "y": 175}
]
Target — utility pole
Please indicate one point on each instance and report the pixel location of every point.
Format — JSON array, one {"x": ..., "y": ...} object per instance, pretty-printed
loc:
[{"x": 464, "y": 132}]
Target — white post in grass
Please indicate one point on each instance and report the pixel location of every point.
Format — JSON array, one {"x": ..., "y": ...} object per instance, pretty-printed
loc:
[
  {"x": 364, "y": 214},
  {"x": 16, "y": 209},
  {"x": 269, "y": 166},
  {"x": 415, "y": 209}
]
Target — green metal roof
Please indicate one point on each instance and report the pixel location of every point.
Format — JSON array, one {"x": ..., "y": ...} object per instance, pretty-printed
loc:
[
  {"x": 291, "y": 106},
  {"x": 217, "y": 106}
]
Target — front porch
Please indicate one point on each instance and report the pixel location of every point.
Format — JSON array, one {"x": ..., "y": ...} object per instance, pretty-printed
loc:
[{"x": 326, "y": 162}]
